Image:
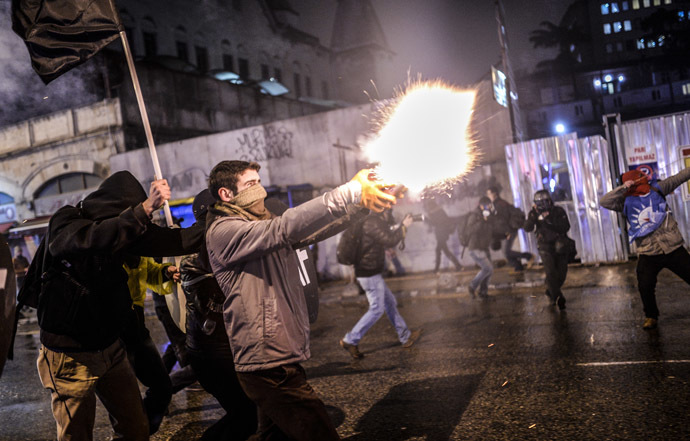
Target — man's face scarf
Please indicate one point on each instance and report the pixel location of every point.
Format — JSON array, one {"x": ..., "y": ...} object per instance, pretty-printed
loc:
[
  {"x": 248, "y": 203},
  {"x": 641, "y": 186}
]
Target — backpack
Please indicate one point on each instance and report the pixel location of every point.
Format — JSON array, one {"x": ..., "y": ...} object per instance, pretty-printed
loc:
[
  {"x": 347, "y": 251},
  {"x": 516, "y": 218}
]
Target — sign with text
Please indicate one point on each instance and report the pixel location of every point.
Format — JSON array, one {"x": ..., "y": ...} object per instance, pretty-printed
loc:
[
  {"x": 684, "y": 153},
  {"x": 642, "y": 158}
]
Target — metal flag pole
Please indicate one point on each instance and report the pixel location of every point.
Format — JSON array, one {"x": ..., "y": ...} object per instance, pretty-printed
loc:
[{"x": 142, "y": 108}]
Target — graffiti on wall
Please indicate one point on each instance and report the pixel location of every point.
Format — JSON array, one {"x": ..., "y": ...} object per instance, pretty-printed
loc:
[
  {"x": 186, "y": 182},
  {"x": 268, "y": 142}
]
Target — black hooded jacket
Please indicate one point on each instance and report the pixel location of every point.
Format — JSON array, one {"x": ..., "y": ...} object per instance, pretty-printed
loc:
[{"x": 92, "y": 240}]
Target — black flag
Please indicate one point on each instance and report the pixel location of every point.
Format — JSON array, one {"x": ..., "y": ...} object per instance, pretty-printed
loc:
[{"x": 62, "y": 34}]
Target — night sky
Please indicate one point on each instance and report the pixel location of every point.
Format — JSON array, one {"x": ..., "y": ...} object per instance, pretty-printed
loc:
[{"x": 452, "y": 39}]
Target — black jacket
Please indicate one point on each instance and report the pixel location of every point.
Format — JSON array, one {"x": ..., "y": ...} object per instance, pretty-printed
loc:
[
  {"x": 501, "y": 218},
  {"x": 93, "y": 238},
  {"x": 376, "y": 235},
  {"x": 204, "y": 304},
  {"x": 479, "y": 231},
  {"x": 549, "y": 229}
]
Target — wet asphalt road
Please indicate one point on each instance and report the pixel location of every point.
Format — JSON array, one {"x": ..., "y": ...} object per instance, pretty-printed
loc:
[{"x": 508, "y": 368}]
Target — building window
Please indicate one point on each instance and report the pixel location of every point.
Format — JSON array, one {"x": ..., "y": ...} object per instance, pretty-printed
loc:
[
  {"x": 686, "y": 89},
  {"x": 607, "y": 28},
  {"x": 201, "y": 58},
  {"x": 651, "y": 43},
  {"x": 646, "y": 3},
  {"x": 297, "y": 83},
  {"x": 627, "y": 25},
  {"x": 228, "y": 63},
  {"x": 657, "y": 2},
  {"x": 619, "y": 46},
  {"x": 265, "y": 74},
  {"x": 614, "y": 8},
  {"x": 609, "y": 48},
  {"x": 182, "y": 52},
  {"x": 640, "y": 43},
  {"x": 617, "y": 27},
  {"x": 636, "y": 4},
  {"x": 656, "y": 95},
  {"x": 625, "y": 6},
  {"x": 605, "y": 9},
  {"x": 667, "y": 2},
  {"x": 579, "y": 111},
  {"x": 278, "y": 74},
  {"x": 244, "y": 68},
  {"x": 150, "y": 44},
  {"x": 324, "y": 90},
  {"x": 618, "y": 101},
  {"x": 307, "y": 85},
  {"x": 68, "y": 183}
]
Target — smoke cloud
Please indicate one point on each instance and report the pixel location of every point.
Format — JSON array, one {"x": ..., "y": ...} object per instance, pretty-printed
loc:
[{"x": 22, "y": 93}]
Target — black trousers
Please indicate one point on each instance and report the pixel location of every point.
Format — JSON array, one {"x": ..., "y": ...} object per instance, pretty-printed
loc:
[
  {"x": 289, "y": 409},
  {"x": 147, "y": 363},
  {"x": 556, "y": 269},
  {"x": 648, "y": 267},
  {"x": 442, "y": 246},
  {"x": 215, "y": 370}
]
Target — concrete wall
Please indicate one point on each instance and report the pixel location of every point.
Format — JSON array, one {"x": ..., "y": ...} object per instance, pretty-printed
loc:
[
  {"x": 301, "y": 150},
  {"x": 40, "y": 149}
]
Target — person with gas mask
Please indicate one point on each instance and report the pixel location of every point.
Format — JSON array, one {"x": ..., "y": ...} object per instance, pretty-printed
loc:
[
  {"x": 478, "y": 230},
  {"x": 551, "y": 225},
  {"x": 207, "y": 343},
  {"x": 653, "y": 229}
]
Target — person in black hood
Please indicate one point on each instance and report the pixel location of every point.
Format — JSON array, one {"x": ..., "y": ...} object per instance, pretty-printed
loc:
[
  {"x": 85, "y": 302},
  {"x": 208, "y": 348}
]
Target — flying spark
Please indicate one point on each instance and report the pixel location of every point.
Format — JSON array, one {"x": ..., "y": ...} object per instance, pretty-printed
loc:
[{"x": 424, "y": 138}]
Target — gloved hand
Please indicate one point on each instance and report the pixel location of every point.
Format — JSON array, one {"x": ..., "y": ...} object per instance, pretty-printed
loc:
[{"x": 373, "y": 197}]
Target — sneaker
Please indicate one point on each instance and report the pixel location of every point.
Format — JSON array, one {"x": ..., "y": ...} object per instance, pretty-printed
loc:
[
  {"x": 560, "y": 301},
  {"x": 530, "y": 261},
  {"x": 352, "y": 349},
  {"x": 414, "y": 335},
  {"x": 649, "y": 323},
  {"x": 472, "y": 291}
]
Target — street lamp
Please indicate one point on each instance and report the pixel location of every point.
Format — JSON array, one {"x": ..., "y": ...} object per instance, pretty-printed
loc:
[{"x": 560, "y": 128}]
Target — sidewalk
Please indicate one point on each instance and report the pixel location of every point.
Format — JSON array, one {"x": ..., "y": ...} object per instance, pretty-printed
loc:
[{"x": 430, "y": 284}]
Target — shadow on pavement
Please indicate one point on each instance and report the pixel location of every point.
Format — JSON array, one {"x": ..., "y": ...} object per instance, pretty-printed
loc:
[
  {"x": 428, "y": 409},
  {"x": 340, "y": 368}
]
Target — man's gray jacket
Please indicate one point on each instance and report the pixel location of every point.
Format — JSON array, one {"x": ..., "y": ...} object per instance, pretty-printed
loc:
[
  {"x": 257, "y": 268},
  {"x": 667, "y": 237}
]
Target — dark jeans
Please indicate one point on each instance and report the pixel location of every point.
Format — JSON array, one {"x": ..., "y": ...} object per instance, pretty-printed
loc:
[
  {"x": 648, "y": 267},
  {"x": 147, "y": 363},
  {"x": 556, "y": 269},
  {"x": 442, "y": 245},
  {"x": 216, "y": 372},
  {"x": 514, "y": 257},
  {"x": 289, "y": 409}
]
